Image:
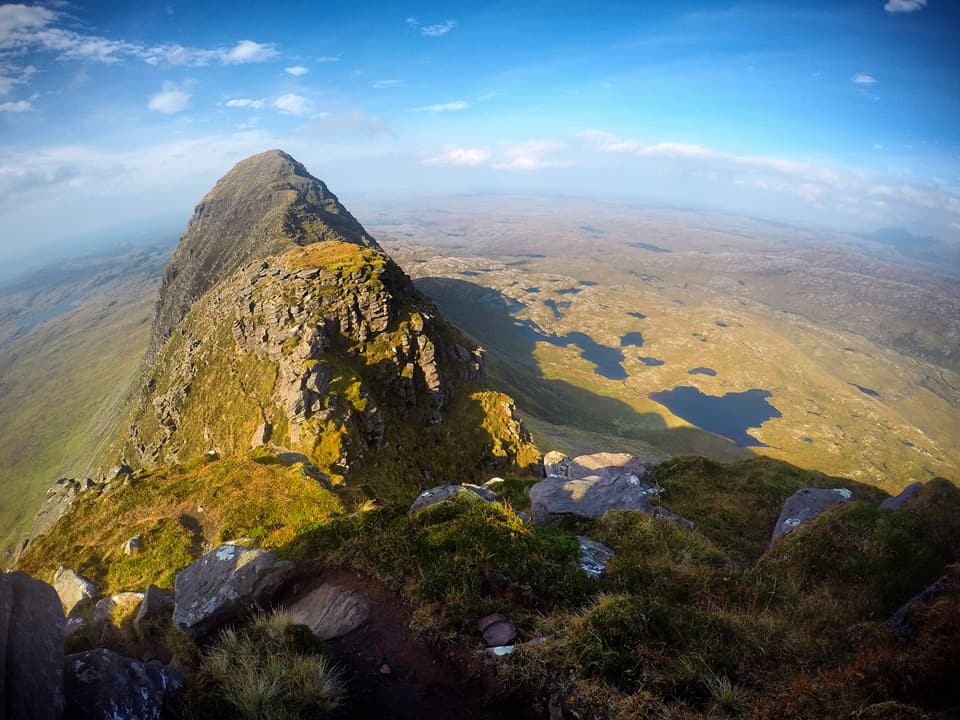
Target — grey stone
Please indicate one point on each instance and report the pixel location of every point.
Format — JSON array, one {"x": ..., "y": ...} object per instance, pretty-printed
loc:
[
  {"x": 330, "y": 611},
  {"x": 446, "y": 492},
  {"x": 32, "y": 633},
  {"x": 75, "y": 626},
  {"x": 494, "y": 484},
  {"x": 497, "y": 630},
  {"x": 133, "y": 545},
  {"x": 805, "y": 505},
  {"x": 224, "y": 585},
  {"x": 906, "y": 496},
  {"x": 590, "y": 485},
  {"x": 903, "y": 619},
  {"x": 102, "y": 685},
  {"x": 72, "y": 588},
  {"x": 594, "y": 556}
]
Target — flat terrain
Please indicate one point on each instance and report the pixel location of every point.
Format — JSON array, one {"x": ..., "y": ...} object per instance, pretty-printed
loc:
[
  {"x": 587, "y": 308},
  {"x": 71, "y": 339}
]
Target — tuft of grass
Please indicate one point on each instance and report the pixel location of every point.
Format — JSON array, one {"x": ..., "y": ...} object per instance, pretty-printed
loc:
[{"x": 270, "y": 670}]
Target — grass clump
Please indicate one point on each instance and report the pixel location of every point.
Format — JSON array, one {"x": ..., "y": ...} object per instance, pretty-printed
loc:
[{"x": 270, "y": 670}]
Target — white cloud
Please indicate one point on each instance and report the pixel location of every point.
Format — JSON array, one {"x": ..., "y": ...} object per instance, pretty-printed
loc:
[
  {"x": 385, "y": 84},
  {"x": 11, "y": 76},
  {"x": 459, "y": 156},
  {"x": 170, "y": 100},
  {"x": 904, "y": 6},
  {"x": 245, "y": 103},
  {"x": 291, "y": 104},
  {"x": 16, "y": 107},
  {"x": 296, "y": 70},
  {"x": 443, "y": 107},
  {"x": 863, "y": 79},
  {"x": 248, "y": 51},
  {"x": 532, "y": 155},
  {"x": 438, "y": 29},
  {"x": 18, "y": 19}
]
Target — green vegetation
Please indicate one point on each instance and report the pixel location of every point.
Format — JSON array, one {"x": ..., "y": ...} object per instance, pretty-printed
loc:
[{"x": 272, "y": 669}]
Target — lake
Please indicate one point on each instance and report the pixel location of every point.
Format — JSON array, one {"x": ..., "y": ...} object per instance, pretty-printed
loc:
[{"x": 729, "y": 415}]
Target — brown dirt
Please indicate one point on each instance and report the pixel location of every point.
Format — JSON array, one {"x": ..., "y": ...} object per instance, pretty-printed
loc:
[{"x": 427, "y": 681}]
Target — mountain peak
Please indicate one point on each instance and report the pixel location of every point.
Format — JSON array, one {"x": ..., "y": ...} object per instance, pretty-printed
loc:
[{"x": 265, "y": 205}]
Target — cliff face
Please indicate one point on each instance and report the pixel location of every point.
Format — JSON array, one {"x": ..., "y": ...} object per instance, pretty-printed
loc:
[
  {"x": 265, "y": 205},
  {"x": 326, "y": 350}
]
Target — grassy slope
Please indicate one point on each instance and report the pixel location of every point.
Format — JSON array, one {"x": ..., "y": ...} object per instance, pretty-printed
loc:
[{"x": 61, "y": 386}]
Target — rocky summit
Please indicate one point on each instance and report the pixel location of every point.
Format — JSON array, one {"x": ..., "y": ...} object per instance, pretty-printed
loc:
[{"x": 266, "y": 204}]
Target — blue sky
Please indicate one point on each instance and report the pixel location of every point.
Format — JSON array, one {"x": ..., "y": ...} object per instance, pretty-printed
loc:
[{"x": 116, "y": 117}]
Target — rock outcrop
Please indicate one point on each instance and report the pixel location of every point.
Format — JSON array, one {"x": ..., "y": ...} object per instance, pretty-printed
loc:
[
  {"x": 265, "y": 205},
  {"x": 32, "y": 633},
  {"x": 805, "y": 505},
  {"x": 442, "y": 493},
  {"x": 102, "y": 685},
  {"x": 226, "y": 584},
  {"x": 590, "y": 485}
]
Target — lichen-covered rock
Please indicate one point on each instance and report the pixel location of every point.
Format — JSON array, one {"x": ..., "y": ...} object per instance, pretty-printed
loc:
[
  {"x": 72, "y": 588},
  {"x": 590, "y": 485},
  {"x": 226, "y": 584},
  {"x": 906, "y": 496},
  {"x": 32, "y": 633},
  {"x": 805, "y": 505},
  {"x": 330, "y": 611},
  {"x": 102, "y": 685},
  {"x": 442, "y": 493},
  {"x": 594, "y": 556}
]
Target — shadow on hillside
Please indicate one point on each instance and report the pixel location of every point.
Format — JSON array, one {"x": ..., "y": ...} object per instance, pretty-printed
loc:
[{"x": 487, "y": 316}]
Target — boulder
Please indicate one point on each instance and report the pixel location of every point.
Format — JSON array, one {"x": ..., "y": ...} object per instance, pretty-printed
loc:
[
  {"x": 591, "y": 485},
  {"x": 594, "y": 556},
  {"x": 32, "y": 633},
  {"x": 497, "y": 630},
  {"x": 121, "y": 604},
  {"x": 72, "y": 588},
  {"x": 805, "y": 505},
  {"x": 903, "y": 621},
  {"x": 156, "y": 605},
  {"x": 906, "y": 496},
  {"x": 330, "y": 611},
  {"x": 102, "y": 685},
  {"x": 446, "y": 492},
  {"x": 224, "y": 585}
]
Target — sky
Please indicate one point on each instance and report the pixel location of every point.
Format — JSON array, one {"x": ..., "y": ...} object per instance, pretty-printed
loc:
[{"x": 116, "y": 117}]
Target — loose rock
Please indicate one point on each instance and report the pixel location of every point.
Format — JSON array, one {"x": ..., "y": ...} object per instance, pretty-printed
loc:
[
  {"x": 72, "y": 588},
  {"x": 133, "y": 545},
  {"x": 446, "y": 492},
  {"x": 156, "y": 605},
  {"x": 805, "y": 505},
  {"x": 330, "y": 611},
  {"x": 124, "y": 603},
  {"x": 102, "y": 685},
  {"x": 497, "y": 630},
  {"x": 223, "y": 585}
]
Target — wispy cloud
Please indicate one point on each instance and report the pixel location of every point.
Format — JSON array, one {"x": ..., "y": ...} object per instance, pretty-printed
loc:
[
  {"x": 863, "y": 79},
  {"x": 296, "y": 70},
  {"x": 170, "y": 100},
  {"x": 904, "y": 6},
  {"x": 532, "y": 155},
  {"x": 435, "y": 30},
  {"x": 442, "y": 107},
  {"x": 245, "y": 103},
  {"x": 459, "y": 156},
  {"x": 16, "y": 107},
  {"x": 386, "y": 84},
  {"x": 291, "y": 104},
  {"x": 25, "y": 28}
]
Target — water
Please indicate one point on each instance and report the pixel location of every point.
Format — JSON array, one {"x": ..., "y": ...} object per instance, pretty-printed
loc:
[
  {"x": 568, "y": 291},
  {"x": 652, "y": 361},
  {"x": 702, "y": 371},
  {"x": 632, "y": 339},
  {"x": 648, "y": 246},
  {"x": 729, "y": 415},
  {"x": 607, "y": 361},
  {"x": 638, "y": 315}
]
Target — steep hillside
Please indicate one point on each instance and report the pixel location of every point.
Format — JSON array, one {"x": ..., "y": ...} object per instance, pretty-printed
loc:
[{"x": 266, "y": 204}]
